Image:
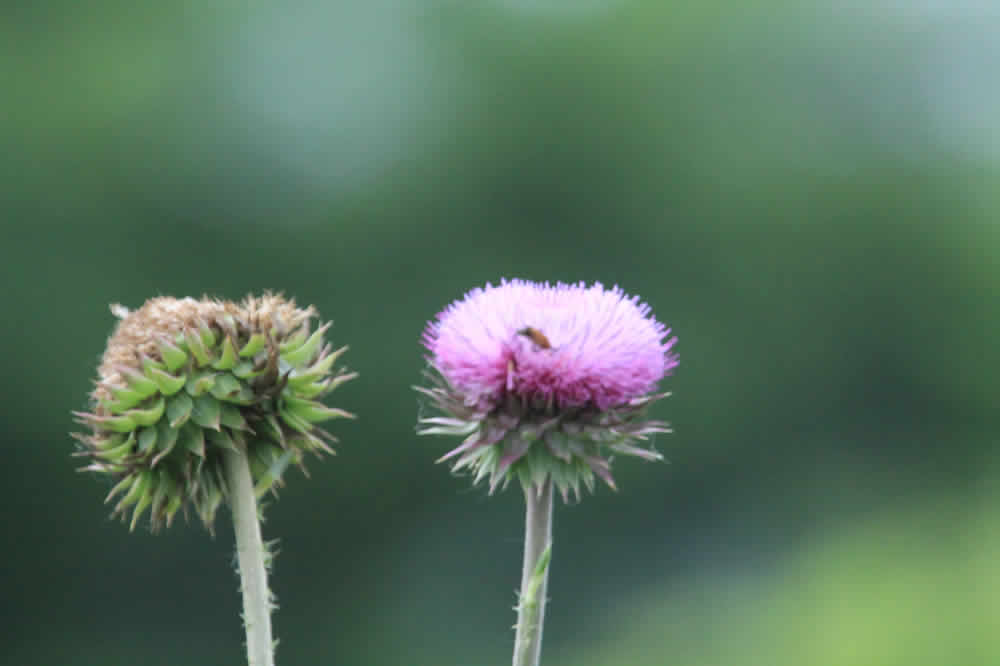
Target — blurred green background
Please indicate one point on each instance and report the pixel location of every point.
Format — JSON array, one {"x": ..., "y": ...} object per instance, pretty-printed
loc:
[{"x": 807, "y": 193}]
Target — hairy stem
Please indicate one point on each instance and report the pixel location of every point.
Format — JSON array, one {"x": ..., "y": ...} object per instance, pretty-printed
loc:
[
  {"x": 534, "y": 574},
  {"x": 251, "y": 556}
]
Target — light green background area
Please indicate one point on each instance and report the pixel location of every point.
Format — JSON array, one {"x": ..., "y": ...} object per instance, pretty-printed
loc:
[{"x": 807, "y": 195}]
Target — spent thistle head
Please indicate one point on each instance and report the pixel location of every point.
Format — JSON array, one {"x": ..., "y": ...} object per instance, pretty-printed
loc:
[{"x": 183, "y": 380}]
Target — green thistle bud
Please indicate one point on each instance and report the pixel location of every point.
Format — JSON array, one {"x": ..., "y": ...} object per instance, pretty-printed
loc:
[{"x": 183, "y": 380}]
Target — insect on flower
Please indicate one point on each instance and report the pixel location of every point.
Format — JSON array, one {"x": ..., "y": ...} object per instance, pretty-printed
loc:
[{"x": 536, "y": 336}]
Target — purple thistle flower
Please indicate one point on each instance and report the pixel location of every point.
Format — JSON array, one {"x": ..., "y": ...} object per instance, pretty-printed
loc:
[{"x": 541, "y": 379}]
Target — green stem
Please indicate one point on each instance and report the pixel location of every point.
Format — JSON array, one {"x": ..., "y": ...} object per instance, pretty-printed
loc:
[
  {"x": 534, "y": 574},
  {"x": 251, "y": 556}
]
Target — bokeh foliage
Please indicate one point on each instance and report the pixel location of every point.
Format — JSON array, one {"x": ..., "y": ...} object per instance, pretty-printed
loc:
[{"x": 799, "y": 191}]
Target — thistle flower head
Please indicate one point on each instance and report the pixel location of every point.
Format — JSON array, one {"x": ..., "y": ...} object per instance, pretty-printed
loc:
[
  {"x": 182, "y": 380},
  {"x": 544, "y": 380}
]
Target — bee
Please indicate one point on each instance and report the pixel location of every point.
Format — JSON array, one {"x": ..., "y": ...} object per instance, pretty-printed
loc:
[{"x": 536, "y": 336}]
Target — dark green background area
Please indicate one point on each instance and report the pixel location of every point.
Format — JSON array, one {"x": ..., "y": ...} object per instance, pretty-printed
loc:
[{"x": 807, "y": 196}]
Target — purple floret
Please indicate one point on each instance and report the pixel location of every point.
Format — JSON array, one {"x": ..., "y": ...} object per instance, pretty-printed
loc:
[{"x": 605, "y": 348}]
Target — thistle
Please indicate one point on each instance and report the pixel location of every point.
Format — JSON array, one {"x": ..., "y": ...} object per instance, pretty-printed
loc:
[
  {"x": 198, "y": 402},
  {"x": 544, "y": 383}
]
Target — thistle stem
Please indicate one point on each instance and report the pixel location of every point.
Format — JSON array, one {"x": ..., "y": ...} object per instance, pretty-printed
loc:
[
  {"x": 250, "y": 555},
  {"x": 534, "y": 574}
]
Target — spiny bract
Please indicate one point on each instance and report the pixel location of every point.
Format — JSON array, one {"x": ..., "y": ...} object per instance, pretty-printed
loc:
[{"x": 182, "y": 380}]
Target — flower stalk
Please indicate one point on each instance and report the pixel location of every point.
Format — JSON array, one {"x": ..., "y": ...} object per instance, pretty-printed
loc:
[
  {"x": 203, "y": 402},
  {"x": 251, "y": 557},
  {"x": 534, "y": 574},
  {"x": 544, "y": 384}
]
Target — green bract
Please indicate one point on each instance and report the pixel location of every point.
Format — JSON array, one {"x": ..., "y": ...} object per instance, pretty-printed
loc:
[
  {"x": 183, "y": 380},
  {"x": 536, "y": 441}
]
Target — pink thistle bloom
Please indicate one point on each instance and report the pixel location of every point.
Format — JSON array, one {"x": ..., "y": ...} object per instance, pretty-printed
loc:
[{"x": 570, "y": 367}]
